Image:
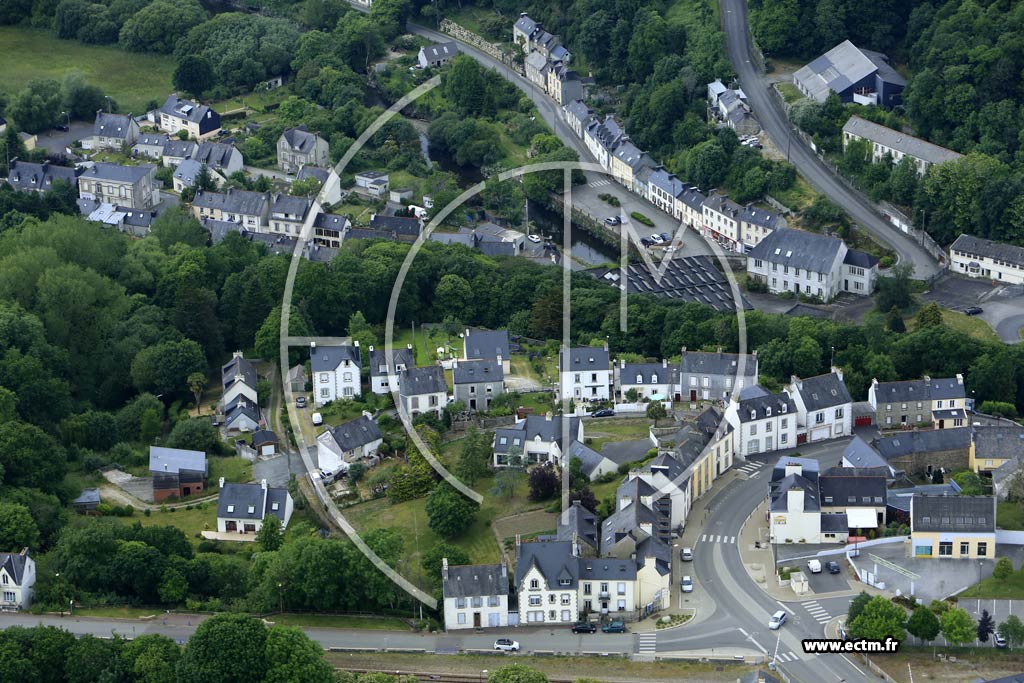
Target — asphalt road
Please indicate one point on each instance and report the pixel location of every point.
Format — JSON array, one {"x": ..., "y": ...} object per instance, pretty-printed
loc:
[{"x": 773, "y": 120}]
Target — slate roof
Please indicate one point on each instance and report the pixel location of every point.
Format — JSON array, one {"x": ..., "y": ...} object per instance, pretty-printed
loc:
[
  {"x": 781, "y": 489},
  {"x": 899, "y": 141},
  {"x": 118, "y": 173},
  {"x": 606, "y": 569},
  {"x": 474, "y": 371},
  {"x": 112, "y": 125},
  {"x": 860, "y": 259},
  {"x": 294, "y": 207},
  {"x": 299, "y": 139},
  {"x": 663, "y": 374},
  {"x": 152, "y": 140},
  {"x": 397, "y": 224},
  {"x": 331, "y": 221},
  {"x": 628, "y": 520},
  {"x": 25, "y": 175},
  {"x": 179, "y": 148},
  {"x": 998, "y": 442},
  {"x": 716, "y": 363},
  {"x": 463, "y": 236},
  {"x": 978, "y": 247},
  {"x": 609, "y": 132},
  {"x": 840, "y": 483},
  {"x": 263, "y": 436},
  {"x": 328, "y": 358},
  {"x": 766, "y": 219},
  {"x": 526, "y": 24},
  {"x": 840, "y": 68},
  {"x": 589, "y": 458},
  {"x": 834, "y": 523},
  {"x": 798, "y": 249},
  {"x": 241, "y": 406},
  {"x": 900, "y": 499},
  {"x": 245, "y": 496},
  {"x": 242, "y": 202},
  {"x": 356, "y": 433},
  {"x": 176, "y": 459},
  {"x": 532, "y": 427},
  {"x": 14, "y": 563},
  {"x": 632, "y": 156},
  {"x": 441, "y": 51},
  {"x": 692, "y": 197},
  {"x": 378, "y": 361},
  {"x": 553, "y": 559},
  {"x": 87, "y": 497},
  {"x": 823, "y": 391},
  {"x": 487, "y": 344},
  {"x": 667, "y": 182},
  {"x": 914, "y": 390},
  {"x": 720, "y": 203},
  {"x": 475, "y": 580},
  {"x": 928, "y": 441},
  {"x": 654, "y": 547},
  {"x": 584, "y": 358},
  {"x": 579, "y": 110},
  {"x": 308, "y": 171},
  {"x": 187, "y": 171},
  {"x": 966, "y": 514},
  {"x": 860, "y": 454},
  {"x": 216, "y": 155},
  {"x": 181, "y": 108},
  {"x": 581, "y": 521},
  {"x": 417, "y": 381},
  {"x": 372, "y": 175},
  {"x": 536, "y": 61},
  {"x": 238, "y": 366},
  {"x": 757, "y": 407}
]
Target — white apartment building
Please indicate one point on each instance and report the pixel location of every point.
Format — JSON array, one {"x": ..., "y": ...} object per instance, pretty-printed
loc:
[{"x": 335, "y": 372}]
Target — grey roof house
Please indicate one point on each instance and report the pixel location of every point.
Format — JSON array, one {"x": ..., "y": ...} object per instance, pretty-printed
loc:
[
  {"x": 855, "y": 74},
  {"x": 112, "y": 131},
  {"x": 26, "y": 176},
  {"x": 477, "y": 382},
  {"x": 241, "y": 508},
  {"x": 298, "y": 147},
  {"x": 438, "y": 54}
]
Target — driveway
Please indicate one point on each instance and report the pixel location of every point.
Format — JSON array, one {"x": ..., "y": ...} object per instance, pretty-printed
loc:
[
  {"x": 1003, "y": 306},
  {"x": 625, "y": 451},
  {"x": 275, "y": 470},
  {"x": 55, "y": 141}
]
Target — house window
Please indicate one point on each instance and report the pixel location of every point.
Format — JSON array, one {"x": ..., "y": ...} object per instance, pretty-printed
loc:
[
  {"x": 478, "y": 602},
  {"x": 982, "y": 549},
  {"x": 604, "y": 587},
  {"x": 492, "y": 600},
  {"x": 346, "y": 376},
  {"x": 945, "y": 548},
  {"x": 819, "y": 418},
  {"x": 586, "y": 589},
  {"x": 324, "y": 378},
  {"x": 620, "y": 588},
  {"x": 622, "y": 605},
  {"x": 693, "y": 381},
  {"x": 460, "y": 603},
  {"x": 231, "y": 508},
  {"x": 551, "y": 598},
  {"x": 767, "y": 426},
  {"x": 8, "y": 596},
  {"x": 252, "y": 509},
  {"x": 564, "y": 582},
  {"x": 534, "y": 584},
  {"x": 784, "y": 438},
  {"x": 965, "y": 548},
  {"x": 462, "y": 617},
  {"x": 785, "y": 423},
  {"x": 939, "y": 404},
  {"x": 325, "y": 393},
  {"x": 753, "y": 430},
  {"x": 534, "y": 601},
  {"x": 565, "y": 598},
  {"x": 706, "y": 382},
  {"x": 839, "y": 413}
]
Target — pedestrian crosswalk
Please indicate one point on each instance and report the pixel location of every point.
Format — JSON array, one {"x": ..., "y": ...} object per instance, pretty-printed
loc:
[
  {"x": 786, "y": 657},
  {"x": 713, "y": 538},
  {"x": 646, "y": 643},
  {"x": 749, "y": 467},
  {"x": 599, "y": 183},
  {"x": 817, "y": 612}
]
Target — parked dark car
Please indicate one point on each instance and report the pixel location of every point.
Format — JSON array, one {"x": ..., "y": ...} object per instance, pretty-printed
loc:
[
  {"x": 584, "y": 627},
  {"x": 300, "y": 401},
  {"x": 646, "y": 241},
  {"x": 666, "y": 237},
  {"x": 614, "y": 627},
  {"x": 974, "y": 310},
  {"x": 61, "y": 127},
  {"x": 604, "y": 412},
  {"x": 833, "y": 567}
]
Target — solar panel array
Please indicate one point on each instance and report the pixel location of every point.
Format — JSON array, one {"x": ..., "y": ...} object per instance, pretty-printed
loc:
[{"x": 690, "y": 278}]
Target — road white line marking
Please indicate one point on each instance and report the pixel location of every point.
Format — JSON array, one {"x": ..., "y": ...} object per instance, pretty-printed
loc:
[
  {"x": 703, "y": 538},
  {"x": 785, "y": 608},
  {"x": 732, "y": 539},
  {"x": 855, "y": 666}
]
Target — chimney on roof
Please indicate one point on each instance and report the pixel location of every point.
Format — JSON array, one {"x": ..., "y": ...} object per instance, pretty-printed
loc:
[
  {"x": 444, "y": 568},
  {"x": 499, "y": 359},
  {"x": 927, "y": 378},
  {"x": 409, "y": 346},
  {"x": 263, "y": 484},
  {"x": 664, "y": 362},
  {"x": 622, "y": 363},
  {"x": 519, "y": 540},
  {"x": 371, "y": 348},
  {"x": 548, "y": 416},
  {"x": 959, "y": 379},
  {"x": 367, "y": 414},
  {"x": 312, "y": 345},
  {"x": 504, "y": 570},
  {"x": 356, "y": 343},
  {"x": 220, "y": 483},
  {"x": 165, "y": 467},
  {"x": 838, "y": 372}
]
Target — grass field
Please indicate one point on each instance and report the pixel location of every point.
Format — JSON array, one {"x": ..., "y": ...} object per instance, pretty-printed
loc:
[
  {"x": 972, "y": 326},
  {"x": 1010, "y": 515},
  {"x": 132, "y": 80},
  {"x": 191, "y": 522},
  {"x": 789, "y": 92},
  {"x": 427, "y": 341}
]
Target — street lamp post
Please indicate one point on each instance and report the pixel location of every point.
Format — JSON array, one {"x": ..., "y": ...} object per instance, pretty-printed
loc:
[
  {"x": 60, "y": 594},
  {"x": 108, "y": 103},
  {"x": 68, "y": 117},
  {"x": 280, "y": 598}
]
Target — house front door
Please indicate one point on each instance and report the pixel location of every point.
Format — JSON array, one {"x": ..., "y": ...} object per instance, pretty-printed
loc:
[
  {"x": 476, "y": 620},
  {"x": 693, "y": 395},
  {"x": 231, "y": 526}
]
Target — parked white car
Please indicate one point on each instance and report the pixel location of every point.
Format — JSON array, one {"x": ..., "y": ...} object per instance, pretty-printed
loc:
[
  {"x": 814, "y": 566},
  {"x": 506, "y": 645},
  {"x": 318, "y": 419},
  {"x": 687, "y": 584}
]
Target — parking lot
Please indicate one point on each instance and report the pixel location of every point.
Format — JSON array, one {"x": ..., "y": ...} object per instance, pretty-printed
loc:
[
  {"x": 830, "y": 583},
  {"x": 957, "y": 293},
  {"x": 927, "y": 578}
]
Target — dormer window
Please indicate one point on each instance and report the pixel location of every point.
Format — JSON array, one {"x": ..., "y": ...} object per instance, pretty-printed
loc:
[
  {"x": 252, "y": 509},
  {"x": 231, "y": 508},
  {"x": 639, "y": 379},
  {"x": 753, "y": 414},
  {"x": 768, "y": 411}
]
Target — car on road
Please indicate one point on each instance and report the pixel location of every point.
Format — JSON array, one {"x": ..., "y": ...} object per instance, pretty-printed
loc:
[
  {"x": 998, "y": 640},
  {"x": 61, "y": 127},
  {"x": 665, "y": 237},
  {"x": 686, "y": 584},
  {"x": 506, "y": 645},
  {"x": 974, "y": 310},
  {"x": 614, "y": 627},
  {"x": 686, "y": 554},
  {"x": 833, "y": 567},
  {"x": 534, "y": 238},
  {"x": 814, "y": 566},
  {"x": 604, "y": 412},
  {"x": 647, "y": 241},
  {"x": 657, "y": 239},
  {"x": 584, "y": 627},
  {"x": 777, "y": 620},
  {"x": 613, "y": 220},
  {"x": 300, "y": 401},
  {"x": 318, "y": 419}
]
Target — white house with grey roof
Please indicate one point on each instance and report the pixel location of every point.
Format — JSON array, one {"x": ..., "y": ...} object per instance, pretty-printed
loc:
[
  {"x": 175, "y": 151},
  {"x": 537, "y": 439},
  {"x": 689, "y": 207},
  {"x": 133, "y": 187},
  {"x": 423, "y": 390},
  {"x": 288, "y": 214},
  {"x": 720, "y": 221},
  {"x": 662, "y": 189},
  {"x": 585, "y": 373},
  {"x": 981, "y": 258},
  {"x": 238, "y": 378},
  {"x": 603, "y": 137},
  {"x": 17, "y": 580},
  {"x": 219, "y": 156},
  {"x": 241, "y": 508},
  {"x": 350, "y": 442},
  {"x": 794, "y": 508},
  {"x": 807, "y": 263},
  {"x": 487, "y": 345},
  {"x": 248, "y": 209},
  {"x": 855, "y": 74},
  {"x": 896, "y": 144},
  {"x": 150, "y": 145},
  {"x": 112, "y": 131},
  {"x": 437, "y": 54},
  {"x": 823, "y": 405},
  {"x": 475, "y": 595},
  {"x": 380, "y": 380},
  {"x": 578, "y": 115},
  {"x": 651, "y": 381},
  {"x": 335, "y": 372},
  {"x": 298, "y": 147},
  {"x": 477, "y": 382},
  {"x": 761, "y": 422},
  {"x": 178, "y": 113},
  {"x": 713, "y": 375},
  {"x": 241, "y": 415},
  {"x": 187, "y": 173}
]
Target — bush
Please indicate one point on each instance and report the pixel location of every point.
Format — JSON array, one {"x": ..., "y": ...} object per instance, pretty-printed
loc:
[
  {"x": 1003, "y": 569},
  {"x": 640, "y": 218},
  {"x": 756, "y": 284},
  {"x": 610, "y": 199}
]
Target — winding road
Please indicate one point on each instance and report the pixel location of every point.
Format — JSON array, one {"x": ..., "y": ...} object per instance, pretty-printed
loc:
[{"x": 773, "y": 120}]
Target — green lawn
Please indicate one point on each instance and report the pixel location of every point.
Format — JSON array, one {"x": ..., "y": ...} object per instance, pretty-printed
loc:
[
  {"x": 232, "y": 469},
  {"x": 121, "y": 612},
  {"x": 789, "y": 92},
  {"x": 191, "y": 522},
  {"x": 132, "y": 79},
  {"x": 428, "y": 340},
  {"x": 329, "y": 621},
  {"x": 972, "y": 326},
  {"x": 1009, "y": 589},
  {"x": 337, "y": 412},
  {"x": 1010, "y": 516}
]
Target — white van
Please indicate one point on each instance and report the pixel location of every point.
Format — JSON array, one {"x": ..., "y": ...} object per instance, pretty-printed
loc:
[
  {"x": 814, "y": 566},
  {"x": 318, "y": 419}
]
